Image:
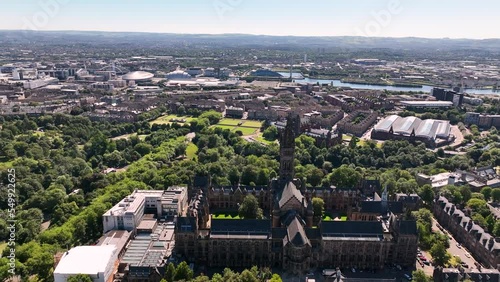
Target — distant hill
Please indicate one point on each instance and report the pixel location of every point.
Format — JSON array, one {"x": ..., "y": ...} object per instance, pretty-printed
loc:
[{"x": 243, "y": 40}]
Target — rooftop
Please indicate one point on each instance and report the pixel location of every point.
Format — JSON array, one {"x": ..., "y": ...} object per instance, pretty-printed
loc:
[{"x": 96, "y": 259}]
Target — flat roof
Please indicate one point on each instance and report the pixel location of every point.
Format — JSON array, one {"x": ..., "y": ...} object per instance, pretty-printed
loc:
[{"x": 85, "y": 260}]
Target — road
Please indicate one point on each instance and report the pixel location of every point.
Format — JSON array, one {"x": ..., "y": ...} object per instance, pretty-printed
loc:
[{"x": 454, "y": 250}]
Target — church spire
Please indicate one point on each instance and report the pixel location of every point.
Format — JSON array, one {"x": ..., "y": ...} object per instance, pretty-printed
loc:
[{"x": 287, "y": 148}]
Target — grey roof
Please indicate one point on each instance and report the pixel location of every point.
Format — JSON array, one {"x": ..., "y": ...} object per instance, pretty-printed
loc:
[
  {"x": 352, "y": 228},
  {"x": 290, "y": 191},
  {"x": 408, "y": 227},
  {"x": 386, "y": 124},
  {"x": 238, "y": 226},
  {"x": 405, "y": 126},
  {"x": 296, "y": 234},
  {"x": 377, "y": 207}
]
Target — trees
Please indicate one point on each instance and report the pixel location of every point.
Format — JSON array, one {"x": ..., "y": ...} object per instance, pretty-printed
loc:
[
  {"x": 183, "y": 272},
  {"x": 344, "y": 176},
  {"x": 419, "y": 276},
  {"x": 495, "y": 195},
  {"x": 250, "y": 209},
  {"x": 439, "y": 254},
  {"x": 426, "y": 193},
  {"x": 79, "y": 278},
  {"x": 276, "y": 278},
  {"x": 271, "y": 133},
  {"x": 318, "y": 206},
  {"x": 170, "y": 272},
  {"x": 486, "y": 191}
]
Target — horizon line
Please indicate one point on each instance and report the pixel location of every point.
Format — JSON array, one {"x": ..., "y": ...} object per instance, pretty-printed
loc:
[{"x": 251, "y": 34}]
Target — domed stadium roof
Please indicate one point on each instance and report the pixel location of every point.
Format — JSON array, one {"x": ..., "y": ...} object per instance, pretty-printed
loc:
[
  {"x": 138, "y": 76},
  {"x": 178, "y": 75}
]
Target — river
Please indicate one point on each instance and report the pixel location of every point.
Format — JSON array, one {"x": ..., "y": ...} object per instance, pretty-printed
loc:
[{"x": 424, "y": 88}]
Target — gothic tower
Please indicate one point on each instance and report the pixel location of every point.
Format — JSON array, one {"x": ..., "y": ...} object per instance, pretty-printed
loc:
[{"x": 287, "y": 149}]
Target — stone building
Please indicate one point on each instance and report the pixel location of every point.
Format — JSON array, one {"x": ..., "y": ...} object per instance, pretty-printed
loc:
[
  {"x": 287, "y": 238},
  {"x": 358, "y": 122},
  {"x": 482, "y": 245}
]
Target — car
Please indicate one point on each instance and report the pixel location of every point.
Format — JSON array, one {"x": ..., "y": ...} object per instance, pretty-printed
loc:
[
  {"x": 408, "y": 277},
  {"x": 467, "y": 255},
  {"x": 353, "y": 270},
  {"x": 427, "y": 262},
  {"x": 459, "y": 246}
]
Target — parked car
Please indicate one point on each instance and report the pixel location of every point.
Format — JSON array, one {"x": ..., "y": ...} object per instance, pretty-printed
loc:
[
  {"x": 408, "y": 277},
  {"x": 467, "y": 255},
  {"x": 459, "y": 246}
]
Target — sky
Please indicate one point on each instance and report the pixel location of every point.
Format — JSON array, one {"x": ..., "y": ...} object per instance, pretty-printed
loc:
[{"x": 476, "y": 19}]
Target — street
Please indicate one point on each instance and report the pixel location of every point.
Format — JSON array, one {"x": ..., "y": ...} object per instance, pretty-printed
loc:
[{"x": 454, "y": 250}]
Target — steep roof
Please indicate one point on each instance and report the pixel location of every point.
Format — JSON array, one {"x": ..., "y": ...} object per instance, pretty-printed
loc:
[
  {"x": 290, "y": 191},
  {"x": 296, "y": 234}
]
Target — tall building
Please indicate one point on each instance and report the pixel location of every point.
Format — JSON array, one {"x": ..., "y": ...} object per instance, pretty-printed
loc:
[
  {"x": 288, "y": 238},
  {"x": 447, "y": 95}
]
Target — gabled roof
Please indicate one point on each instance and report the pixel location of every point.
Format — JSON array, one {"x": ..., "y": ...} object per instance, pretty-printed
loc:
[
  {"x": 290, "y": 192},
  {"x": 296, "y": 234}
]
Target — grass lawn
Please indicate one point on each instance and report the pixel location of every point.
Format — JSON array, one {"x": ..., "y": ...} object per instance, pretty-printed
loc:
[
  {"x": 246, "y": 130},
  {"x": 252, "y": 123},
  {"x": 225, "y": 216},
  {"x": 244, "y": 122},
  {"x": 230, "y": 127},
  {"x": 191, "y": 151},
  {"x": 261, "y": 139},
  {"x": 329, "y": 217},
  {"x": 167, "y": 119},
  {"x": 229, "y": 121}
]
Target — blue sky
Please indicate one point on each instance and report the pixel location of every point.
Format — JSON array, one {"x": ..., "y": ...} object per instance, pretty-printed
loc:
[{"x": 391, "y": 18}]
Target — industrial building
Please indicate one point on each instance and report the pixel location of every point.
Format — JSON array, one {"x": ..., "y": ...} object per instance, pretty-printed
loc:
[
  {"x": 419, "y": 105},
  {"x": 96, "y": 261},
  {"x": 433, "y": 133}
]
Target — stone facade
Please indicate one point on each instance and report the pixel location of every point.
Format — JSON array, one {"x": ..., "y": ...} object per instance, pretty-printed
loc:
[{"x": 287, "y": 238}]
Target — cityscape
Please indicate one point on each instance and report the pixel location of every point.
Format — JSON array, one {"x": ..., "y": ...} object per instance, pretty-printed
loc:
[{"x": 247, "y": 149}]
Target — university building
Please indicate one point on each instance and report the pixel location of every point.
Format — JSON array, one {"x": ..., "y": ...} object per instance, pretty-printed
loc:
[{"x": 287, "y": 237}]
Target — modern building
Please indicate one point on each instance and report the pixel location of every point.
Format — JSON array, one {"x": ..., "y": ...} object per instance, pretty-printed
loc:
[
  {"x": 288, "y": 239},
  {"x": 96, "y": 261},
  {"x": 129, "y": 212},
  {"x": 178, "y": 75},
  {"x": 265, "y": 73},
  {"x": 420, "y": 105},
  {"x": 447, "y": 95},
  {"x": 148, "y": 253},
  {"x": 432, "y": 132},
  {"x": 138, "y": 76},
  {"x": 483, "y": 246}
]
